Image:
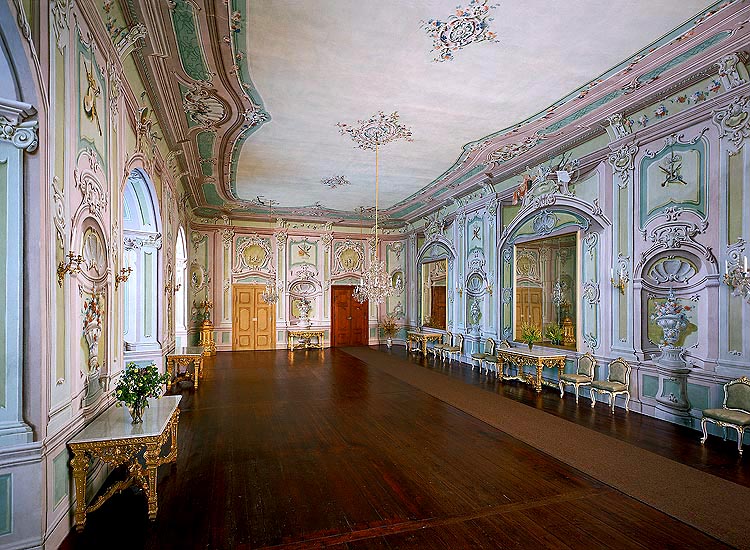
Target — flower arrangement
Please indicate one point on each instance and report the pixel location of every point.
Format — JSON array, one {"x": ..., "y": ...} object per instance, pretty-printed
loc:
[
  {"x": 136, "y": 385},
  {"x": 670, "y": 306},
  {"x": 388, "y": 326},
  {"x": 92, "y": 311},
  {"x": 554, "y": 334},
  {"x": 530, "y": 334}
]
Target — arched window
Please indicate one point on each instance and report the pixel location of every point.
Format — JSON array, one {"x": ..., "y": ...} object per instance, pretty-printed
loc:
[
  {"x": 142, "y": 243},
  {"x": 180, "y": 297}
]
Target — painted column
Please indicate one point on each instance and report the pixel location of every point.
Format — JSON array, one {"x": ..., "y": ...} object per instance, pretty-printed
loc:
[{"x": 16, "y": 137}]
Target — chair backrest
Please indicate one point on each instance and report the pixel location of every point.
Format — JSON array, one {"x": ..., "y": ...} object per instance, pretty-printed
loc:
[
  {"x": 489, "y": 346},
  {"x": 459, "y": 342},
  {"x": 586, "y": 365},
  {"x": 619, "y": 371},
  {"x": 737, "y": 394},
  {"x": 448, "y": 338}
]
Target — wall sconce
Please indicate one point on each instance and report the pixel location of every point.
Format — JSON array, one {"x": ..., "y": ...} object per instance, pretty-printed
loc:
[
  {"x": 738, "y": 279},
  {"x": 72, "y": 266},
  {"x": 622, "y": 279},
  {"x": 123, "y": 276},
  {"x": 489, "y": 288}
]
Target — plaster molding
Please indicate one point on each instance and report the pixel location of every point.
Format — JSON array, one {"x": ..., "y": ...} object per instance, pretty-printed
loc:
[
  {"x": 733, "y": 120},
  {"x": 623, "y": 163},
  {"x": 13, "y": 126}
]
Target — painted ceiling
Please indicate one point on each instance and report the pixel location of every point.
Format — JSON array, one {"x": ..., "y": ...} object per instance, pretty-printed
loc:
[{"x": 316, "y": 64}]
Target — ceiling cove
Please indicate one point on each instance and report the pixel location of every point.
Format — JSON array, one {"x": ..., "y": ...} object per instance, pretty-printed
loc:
[{"x": 250, "y": 93}]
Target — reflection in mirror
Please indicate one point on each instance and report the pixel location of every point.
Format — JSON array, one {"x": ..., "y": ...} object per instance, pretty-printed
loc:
[
  {"x": 433, "y": 294},
  {"x": 546, "y": 273}
]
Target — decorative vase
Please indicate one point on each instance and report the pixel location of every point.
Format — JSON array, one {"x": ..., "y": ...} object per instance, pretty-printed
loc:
[
  {"x": 531, "y": 345},
  {"x": 672, "y": 325},
  {"x": 136, "y": 411},
  {"x": 389, "y": 342}
]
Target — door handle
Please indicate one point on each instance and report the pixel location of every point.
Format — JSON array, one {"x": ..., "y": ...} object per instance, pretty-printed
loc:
[{"x": 349, "y": 318}]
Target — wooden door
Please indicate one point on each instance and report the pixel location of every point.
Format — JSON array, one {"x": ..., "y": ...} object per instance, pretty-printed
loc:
[
  {"x": 528, "y": 308},
  {"x": 253, "y": 320},
  {"x": 437, "y": 307},
  {"x": 349, "y": 322}
]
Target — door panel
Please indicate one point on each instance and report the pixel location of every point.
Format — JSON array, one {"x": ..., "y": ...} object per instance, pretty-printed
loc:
[
  {"x": 437, "y": 307},
  {"x": 349, "y": 321},
  {"x": 253, "y": 323},
  {"x": 528, "y": 308}
]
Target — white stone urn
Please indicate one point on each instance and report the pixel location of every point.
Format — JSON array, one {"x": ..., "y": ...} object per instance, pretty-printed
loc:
[
  {"x": 92, "y": 333},
  {"x": 671, "y": 318},
  {"x": 389, "y": 342},
  {"x": 304, "y": 306}
]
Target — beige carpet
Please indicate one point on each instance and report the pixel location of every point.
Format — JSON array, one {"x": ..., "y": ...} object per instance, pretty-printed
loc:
[{"x": 713, "y": 505}]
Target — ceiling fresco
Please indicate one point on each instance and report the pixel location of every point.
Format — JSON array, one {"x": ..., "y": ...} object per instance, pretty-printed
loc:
[{"x": 255, "y": 92}]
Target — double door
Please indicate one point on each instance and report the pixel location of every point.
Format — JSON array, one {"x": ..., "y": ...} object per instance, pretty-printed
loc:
[
  {"x": 349, "y": 323},
  {"x": 253, "y": 320}
]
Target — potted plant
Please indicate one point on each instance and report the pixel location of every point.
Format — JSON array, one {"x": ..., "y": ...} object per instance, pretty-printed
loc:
[
  {"x": 136, "y": 385},
  {"x": 554, "y": 334},
  {"x": 389, "y": 329},
  {"x": 530, "y": 334}
]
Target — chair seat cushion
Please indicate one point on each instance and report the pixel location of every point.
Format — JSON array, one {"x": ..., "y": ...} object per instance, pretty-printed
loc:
[
  {"x": 439, "y": 346},
  {"x": 576, "y": 378},
  {"x": 608, "y": 386},
  {"x": 452, "y": 348},
  {"x": 492, "y": 359},
  {"x": 478, "y": 355},
  {"x": 738, "y": 418}
]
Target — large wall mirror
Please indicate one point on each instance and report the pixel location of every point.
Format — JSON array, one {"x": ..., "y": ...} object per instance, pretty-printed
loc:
[
  {"x": 546, "y": 272},
  {"x": 433, "y": 293}
]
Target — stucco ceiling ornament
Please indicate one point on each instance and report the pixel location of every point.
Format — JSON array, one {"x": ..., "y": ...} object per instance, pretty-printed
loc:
[
  {"x": 732, "y": 71},
  {"x": 465, "y": 26},
  {"x": 335, "y": 181},
  {"x": 512, "y": 150},
  {"x": 202, "y": 106},
  {"x": 59, "y": 211}
]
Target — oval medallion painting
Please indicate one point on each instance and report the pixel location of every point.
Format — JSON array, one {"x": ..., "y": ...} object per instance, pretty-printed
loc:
[{"x": 254, "y": 256}]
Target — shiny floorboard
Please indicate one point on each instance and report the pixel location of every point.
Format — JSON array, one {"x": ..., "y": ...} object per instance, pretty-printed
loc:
[{"x": 314, "y": 449}]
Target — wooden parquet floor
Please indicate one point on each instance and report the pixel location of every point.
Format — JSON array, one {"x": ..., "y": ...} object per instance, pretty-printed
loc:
[{"x": 314, "y": 449}]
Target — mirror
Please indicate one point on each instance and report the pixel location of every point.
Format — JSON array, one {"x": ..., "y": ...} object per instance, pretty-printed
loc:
[
  {"x": 433, "y": 294},
  {"x": 546, "y": 272}
]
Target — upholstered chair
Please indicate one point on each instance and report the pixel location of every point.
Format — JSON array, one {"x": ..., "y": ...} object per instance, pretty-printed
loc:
[
  {"x": 491, "y": 361},
  {"x": 437, "y": 349},
  {"x": 617, "y": 382},
  {"x": 734, "y": 412},
  {"x": 583, "y": 376},
  {"x": 489, "y": 349},
  {"x": 450, "y": 351}
]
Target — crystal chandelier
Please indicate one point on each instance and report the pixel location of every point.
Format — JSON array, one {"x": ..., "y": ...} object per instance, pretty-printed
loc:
[
  {"x": 375, "y": 284},
  {"x": 270, "y": 294}
]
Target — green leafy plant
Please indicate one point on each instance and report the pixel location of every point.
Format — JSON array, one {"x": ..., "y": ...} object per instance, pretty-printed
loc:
[
  {"x": 554, "y": 334},
  {"x": 137, "y": 384},
  {"x": 530, "y": 333},
  {"x": 388, "y": 326}
]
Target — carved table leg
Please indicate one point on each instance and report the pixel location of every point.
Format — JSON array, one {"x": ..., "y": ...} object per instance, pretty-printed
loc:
[
  {"x": 151, "y": 456},
  {"x": 80, "y": 464},
  {"x": 538, "y": 381},
  {"x": 196, "y": 371},
  {"x": 424, "y": 347},
  {"x": 170, "y": 371}
]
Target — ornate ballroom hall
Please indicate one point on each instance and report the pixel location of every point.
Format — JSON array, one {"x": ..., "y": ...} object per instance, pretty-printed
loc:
[{"x": 378, "y": 274}]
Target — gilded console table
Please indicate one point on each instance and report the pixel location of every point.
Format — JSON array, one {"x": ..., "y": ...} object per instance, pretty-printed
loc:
[
  {"x": 112, "y": 438},
  {"x": 423, "y": 338},
  {"x": 537, "y": 359},
  {"x": 304, "y": 338},
  {"x": 182, "y": 357}
]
